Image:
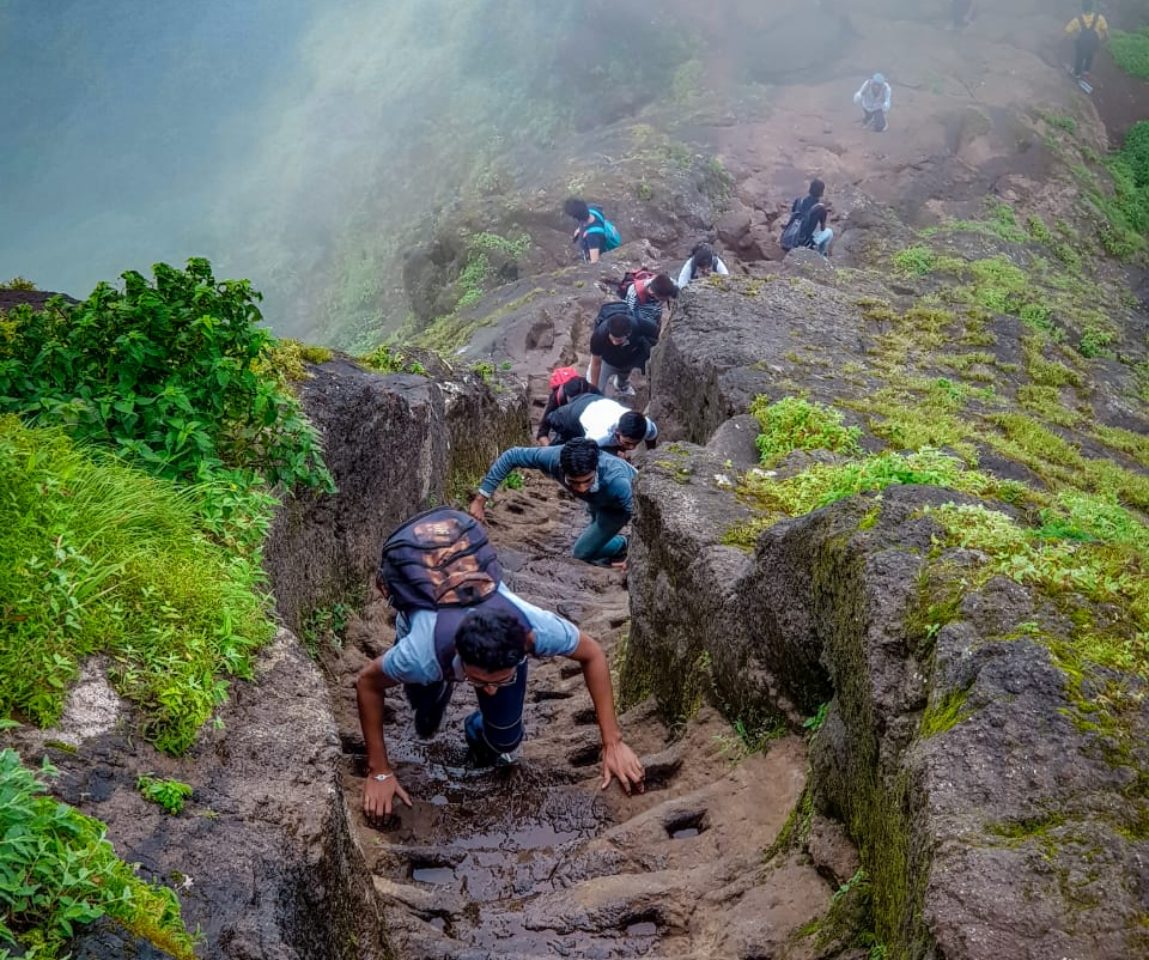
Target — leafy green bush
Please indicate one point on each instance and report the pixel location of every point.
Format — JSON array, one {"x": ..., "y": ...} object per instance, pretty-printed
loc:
[
  {"x": 168, "y": 374},
  {"x": 1131, "y": 52},
  {"x": 388, "y": 359},
  {"x": 18, "y": 283},
  {"x": 796, "y": 424},
  {"x": 101, "y": 558},
  {"x": 169, "y": 794},
  {"x": 915, "y": 261},
  {"x": 58, "y": 873}
]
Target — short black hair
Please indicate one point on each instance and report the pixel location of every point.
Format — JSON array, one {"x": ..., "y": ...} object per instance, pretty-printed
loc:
[
  {"x": 703, "y": 256},
  {"x": 579, "y": 457},
  {"x": 491, "y": 640},
  {"x": 575, "y": 387},
  {"x": 620, "y": 325},
  {"x": 574, "y": 207},
  {"x": 632, "y": 425},
  {"x": 663, "y": 287},
  {"x": 817, "y": 188}
]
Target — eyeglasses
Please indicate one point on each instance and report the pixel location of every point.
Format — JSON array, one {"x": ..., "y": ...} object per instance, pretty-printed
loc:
[{"x": 505, "y": 682}]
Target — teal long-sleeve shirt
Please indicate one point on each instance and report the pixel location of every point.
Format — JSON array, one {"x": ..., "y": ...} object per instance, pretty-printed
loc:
[{"x": 612, "y": 493}]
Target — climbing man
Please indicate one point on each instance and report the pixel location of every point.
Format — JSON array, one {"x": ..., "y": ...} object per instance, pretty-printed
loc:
[
  {"x": 601, "y": 481},
  {"x": 615, "y": 428},
  {"x": 874, "y": 98},
  {"x": 458, "y": 623},
  {"x": 621, "y": 343},
  {"x": 566, "y": 385},
  {"x": 703, "y": 261},
  {"x": 594, "y": 233},
  {"x": 1089, "y": 30},
  {"x": 653, "y": 293},
  {"x": 807, "y": 224}
]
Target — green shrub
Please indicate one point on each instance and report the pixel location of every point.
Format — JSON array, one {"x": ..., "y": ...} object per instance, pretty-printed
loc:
[
  {"x": 18, "y": 283},
  {"x": 172, "y": 375},
  {"x": 1131, "y": 52},
  {"x": 388, "y": 359},
  {"x": 796, "y": 424},
  {"x": 100, "y": 558},
  {"x": 169, "y": 794},
  {"x": 915, "y": 261},
  {"x": 1094, "y": 342},
  {"x": 59, "y": 873}
]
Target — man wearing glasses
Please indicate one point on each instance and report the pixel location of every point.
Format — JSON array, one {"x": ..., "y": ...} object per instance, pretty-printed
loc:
[
  {"x": 601, "y": 481},
  {"x": 490, "y": 653}
]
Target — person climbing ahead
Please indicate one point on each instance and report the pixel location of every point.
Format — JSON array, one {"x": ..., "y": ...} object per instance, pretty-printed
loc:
[
  {"x": 807, "y": 224},
  {"x": 458, "y": 623},
  {"x": 615, "y": 428},
  {"x": 1089, "y": 30},
  {"x": 594, "y": 234},
  {"x": 621, "y": 343},
  {"x": 566, "y": 385},
  {"x": 601, "y": 481},
  {"x": 703, "y": 261},
  {"x": 647, "y": 296},
  {"x": 874, "y": 98}
]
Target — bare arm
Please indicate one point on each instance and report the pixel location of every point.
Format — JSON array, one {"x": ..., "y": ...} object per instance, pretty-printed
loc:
[
  {"x": 618, "y": 760},
  {"x": 595, "y": 370},
  {"x": 378, "y": 796}
]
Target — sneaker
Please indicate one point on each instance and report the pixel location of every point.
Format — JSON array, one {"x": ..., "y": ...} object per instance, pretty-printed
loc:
[
  {"x": 623, "y": 390},
  {"x": 504, "y": 760}
]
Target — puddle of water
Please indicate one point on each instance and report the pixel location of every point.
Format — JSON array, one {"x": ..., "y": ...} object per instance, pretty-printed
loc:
[
  {"x": 642, "y": 929},
  {"x": 684, "y": 834},
  {"x": 437, "y": 876}
]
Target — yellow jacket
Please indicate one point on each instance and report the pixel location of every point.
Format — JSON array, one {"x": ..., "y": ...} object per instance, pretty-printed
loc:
[{"x": 1074, "y": 26}]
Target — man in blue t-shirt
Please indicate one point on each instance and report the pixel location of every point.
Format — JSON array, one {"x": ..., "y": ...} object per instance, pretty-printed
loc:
[
  {"x": 603, "y": 482},
  {"x": 490, "y": 651}
]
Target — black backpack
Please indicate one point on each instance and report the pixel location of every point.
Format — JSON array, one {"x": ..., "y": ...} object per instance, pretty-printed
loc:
[
  {"x": 441, "y": 560},
  {"x": 617, "y": 308},
  {"x": 792, "y": 233}
]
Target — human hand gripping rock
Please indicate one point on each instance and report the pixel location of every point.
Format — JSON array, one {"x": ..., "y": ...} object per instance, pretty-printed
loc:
[
  {"x": 379, "y": 796},
  {"x": 478, "y": 508},
  {"x": 619, "y": 761}
]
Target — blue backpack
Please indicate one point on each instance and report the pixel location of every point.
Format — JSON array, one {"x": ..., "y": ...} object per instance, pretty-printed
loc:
[{"x": 611, "y": 237}]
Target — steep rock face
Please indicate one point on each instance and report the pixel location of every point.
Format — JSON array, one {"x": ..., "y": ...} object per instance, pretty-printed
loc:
[
  {"x": 262, "y": 856},
  {"x": 1008, "y": 831},
  {"x": 395, "y": 445}
]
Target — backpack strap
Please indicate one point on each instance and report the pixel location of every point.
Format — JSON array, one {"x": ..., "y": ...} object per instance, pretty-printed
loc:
[{"x": 449, "y": 619}]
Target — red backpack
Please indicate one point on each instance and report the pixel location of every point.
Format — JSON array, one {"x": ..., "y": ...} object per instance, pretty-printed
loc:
[
  {"x": 640, "y": 279},
  {"x": 562, "y": 375}
]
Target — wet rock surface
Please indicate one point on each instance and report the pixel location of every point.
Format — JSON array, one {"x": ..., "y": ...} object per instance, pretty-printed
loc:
[
  {"x": 262, "y": 856},
  {"x": 536, "y": 860},
  {"x": 1016, "y": 810}
]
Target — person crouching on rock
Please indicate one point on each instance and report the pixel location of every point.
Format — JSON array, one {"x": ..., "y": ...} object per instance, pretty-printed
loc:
[
  {"x": 616, "y": 429},
  {"x": 603, "y": 482},
  {"x": 703, "y": 262},
  {"x": 458, "y": 623},
  {"x": 566, "y": 386},
  {"x": 874, "y": 98},
  {"x": 621, "y": 343}
]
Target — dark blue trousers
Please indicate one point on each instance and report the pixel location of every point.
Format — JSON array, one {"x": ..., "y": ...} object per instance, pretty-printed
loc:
[{"x": 496, "y": 727}]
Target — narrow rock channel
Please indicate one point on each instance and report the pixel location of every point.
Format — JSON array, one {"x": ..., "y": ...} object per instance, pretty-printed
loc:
[{"x": 537, "y": 861}]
